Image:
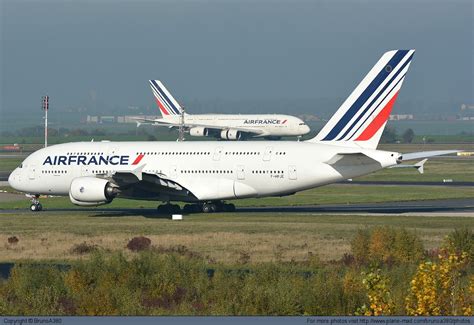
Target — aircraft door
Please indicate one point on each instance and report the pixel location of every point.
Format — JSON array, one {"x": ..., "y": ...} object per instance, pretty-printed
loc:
[
  {"x": 84, "y": 170},
  {"x": 217, "y": 154},
  {"x": 173, "y": 171},
  {"x": 32, "y": 171},
  {"x": 240, "y": 172},
  {"x": 292, "y": 172},
  {"x": 267, "y": 156}
]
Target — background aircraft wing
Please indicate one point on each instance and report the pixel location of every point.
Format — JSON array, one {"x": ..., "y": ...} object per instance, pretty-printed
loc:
[
  {"x": 140, "y": 120},
  {"x": 218, "y": 128}
]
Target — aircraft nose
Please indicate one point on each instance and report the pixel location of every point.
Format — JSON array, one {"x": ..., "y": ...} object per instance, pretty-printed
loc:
[
  {"x": 306, "y": 129},
  {"x": 13, "y": 179}
]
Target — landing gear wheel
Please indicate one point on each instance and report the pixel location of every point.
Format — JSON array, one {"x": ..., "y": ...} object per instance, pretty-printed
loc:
[
  {"x": 209, "y": 208},
  {"x": 35, "y": 204},
  {"x": 35, "y": 207}
]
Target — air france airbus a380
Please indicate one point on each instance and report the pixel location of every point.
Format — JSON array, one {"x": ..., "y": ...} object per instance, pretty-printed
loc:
[
  {"x": 206, "y": 173},
  {"x": 224, "y": 126}
]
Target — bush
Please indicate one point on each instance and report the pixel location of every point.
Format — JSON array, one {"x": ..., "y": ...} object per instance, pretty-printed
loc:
[
  {"x": 137, "y": 244},
  {"x": 13, "y": 240},
  {"x": 83, "y": 248},
  {"x": 386, "y": 245},
  {"x": 459, "y": 241}
]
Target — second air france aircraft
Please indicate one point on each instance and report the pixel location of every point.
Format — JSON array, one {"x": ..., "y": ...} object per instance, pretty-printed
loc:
[{"x": 224, "y": 126}]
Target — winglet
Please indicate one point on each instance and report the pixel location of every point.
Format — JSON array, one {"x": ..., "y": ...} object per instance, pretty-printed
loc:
[{"x": 138, "y": 172}]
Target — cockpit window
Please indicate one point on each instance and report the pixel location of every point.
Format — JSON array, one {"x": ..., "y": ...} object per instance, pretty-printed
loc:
[
  {"x": 302, "y": 124},
  {"x": 21, "y": 166}
]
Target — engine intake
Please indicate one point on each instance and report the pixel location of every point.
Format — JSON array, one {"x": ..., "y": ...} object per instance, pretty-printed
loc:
[
  {"x": 91, "y": 191},
  {"x": 231, "y": 134},
  {"x": 199, "y": 132}
]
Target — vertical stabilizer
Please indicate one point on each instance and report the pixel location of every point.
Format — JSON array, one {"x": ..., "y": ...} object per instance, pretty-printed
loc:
[
  {"x": 361, "y": 119},
  {"x": 168, "y": 106}
]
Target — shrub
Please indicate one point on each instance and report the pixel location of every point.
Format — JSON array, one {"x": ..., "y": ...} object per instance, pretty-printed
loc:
[
  {"x": 459, "y": 241},
  {"x": 137, "y": 244},
  {"x": 379, "y": 295},
  {"x": 244, "y": 257},
  {"x": 34, "y": 290},
  {"x": 386, "y": 245},
  {"x": 13, "y": 240},
  {"x": 83, "y": 248},
  {"x": 360, "y": 246},
  {"x": 441, "y": 288}
]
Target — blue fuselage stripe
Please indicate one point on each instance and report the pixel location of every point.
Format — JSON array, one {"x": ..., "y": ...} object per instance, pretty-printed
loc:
[{"x": 394, "y": 61}]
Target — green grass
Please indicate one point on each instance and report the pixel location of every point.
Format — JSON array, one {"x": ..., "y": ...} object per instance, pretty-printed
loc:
[
  {"x": 223, "y": 237},
  {"x": 9, "y": 164}
]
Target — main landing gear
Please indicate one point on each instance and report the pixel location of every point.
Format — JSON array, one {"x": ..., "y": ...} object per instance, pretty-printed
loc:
[
  {"x": 206, "y": 207},
  {"x": 35, "y": 204},
  {"x": 169, "y": 208},
  {"x": 209, "y": 207}
]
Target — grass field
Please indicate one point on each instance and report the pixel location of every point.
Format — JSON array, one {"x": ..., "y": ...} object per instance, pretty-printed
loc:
[{"x": 224, "y": 237}]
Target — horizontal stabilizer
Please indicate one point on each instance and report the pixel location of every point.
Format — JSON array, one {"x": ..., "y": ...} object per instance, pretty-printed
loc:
[
  {"x": 426, "y": 154},
  {"x": 419, "y": 166}
]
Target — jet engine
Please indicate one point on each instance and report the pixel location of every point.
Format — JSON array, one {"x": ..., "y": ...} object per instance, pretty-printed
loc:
[
  {"x": 231, "y": 134},
  {"x": 91, "y": 191},
  {"x": 199, "y": 131}
]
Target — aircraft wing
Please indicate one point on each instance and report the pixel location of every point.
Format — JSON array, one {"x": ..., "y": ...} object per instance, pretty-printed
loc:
[
  {"x": 351, "y": 159},
  {"x": 216, "y": 128},
  {"x": 135, "y": 183},
  {"x": 140, "y": 120},
  {"x": 220, "y": 128},
  {"x": 426, "y": 154}
]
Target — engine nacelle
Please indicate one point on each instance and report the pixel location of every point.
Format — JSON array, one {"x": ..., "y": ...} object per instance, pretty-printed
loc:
[
  {"x": 231, "y": 134},
  {"x": 91, "y": 191},
  {"x": 199, "y": 131}
]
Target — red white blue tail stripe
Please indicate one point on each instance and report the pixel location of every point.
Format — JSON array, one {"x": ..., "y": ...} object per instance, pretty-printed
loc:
[
  {"x": 365, "y": 112},
  {"x": 165, "y": 101}
]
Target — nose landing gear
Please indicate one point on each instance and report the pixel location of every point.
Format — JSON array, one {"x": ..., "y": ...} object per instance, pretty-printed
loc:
[{"x": 35, "y": 204}]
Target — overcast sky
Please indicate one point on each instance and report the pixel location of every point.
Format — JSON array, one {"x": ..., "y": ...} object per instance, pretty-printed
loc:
[{"x": 74, "y": 50}]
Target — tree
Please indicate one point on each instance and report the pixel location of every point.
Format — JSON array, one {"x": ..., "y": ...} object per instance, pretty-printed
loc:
[
  {"x": 389, "y": 135},
  {"x": 408, "y": 136}
]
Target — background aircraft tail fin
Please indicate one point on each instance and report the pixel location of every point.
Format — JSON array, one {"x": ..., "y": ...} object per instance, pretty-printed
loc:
[
  {"x": 166, "y": 103},
  {"x": 361, "y": 119}
]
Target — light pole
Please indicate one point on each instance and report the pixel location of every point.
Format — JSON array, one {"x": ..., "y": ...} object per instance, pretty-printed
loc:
[
  {"x": 45, "y": 106},
  {"x": 181, "y": 126}
]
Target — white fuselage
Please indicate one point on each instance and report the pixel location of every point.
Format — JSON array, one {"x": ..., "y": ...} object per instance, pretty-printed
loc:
[
  {"x": 208, "y": 170},
  {"x": 264, "y": 125}
]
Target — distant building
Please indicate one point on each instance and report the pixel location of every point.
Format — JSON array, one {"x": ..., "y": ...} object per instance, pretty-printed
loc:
[
  {"x": 401, "y": 117},
  {"x": 467, "y": 107},
  {"x": 309, "y": 118},
  {"x": 116, "y": 119}
]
